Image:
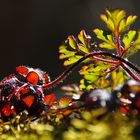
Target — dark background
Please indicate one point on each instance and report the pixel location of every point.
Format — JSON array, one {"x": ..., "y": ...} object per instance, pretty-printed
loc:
[{"x": 32, "y": 30}]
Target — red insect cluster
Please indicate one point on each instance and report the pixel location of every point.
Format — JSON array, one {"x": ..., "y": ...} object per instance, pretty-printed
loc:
[{"x": 23, "y": 91}]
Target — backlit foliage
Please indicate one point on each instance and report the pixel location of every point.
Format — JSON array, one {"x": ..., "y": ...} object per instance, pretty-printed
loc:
[{"x": 119, "y": 38}]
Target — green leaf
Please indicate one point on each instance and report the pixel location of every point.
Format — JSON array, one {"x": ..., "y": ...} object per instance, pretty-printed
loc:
[
  {"x": 106, "y": 46},
  {"x": 108, "y": 22},
  {"x": 136, "y": 43},
  {"x": 93, "y": 74},
  {"x": 75, "y": 48},
  {"x": 97, "y": 68},
  {"x": 83, "y": 49},
  {"x": 72, "y": 60},
  {"x": 125, "y": 23},
  {"x": 101, "y": 83},
  {"x": 118, "y": 78},
  {"x": 66, "y": 55},
  {"x": 64, "y": 102},
  {"x": 72, "y": 42},
  {"x": 135, "y": 46},
  {"x": 113, "y": 18},
  {"x": 128, "y": 38},
  {"x": 91, "y": 78},
  {"x": 99, "y": 34},
  {"x": 85, "y": 86},
  {"x": 116, "y": 20},
  {"x": 84, "y": 38},
  {"x": 108, "y": 41}
]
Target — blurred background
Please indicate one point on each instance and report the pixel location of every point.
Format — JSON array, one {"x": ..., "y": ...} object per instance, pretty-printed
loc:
[{"x": 32, "y": 31}]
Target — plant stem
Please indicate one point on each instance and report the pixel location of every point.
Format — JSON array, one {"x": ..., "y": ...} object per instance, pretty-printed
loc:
[
  {"x": 106, "y": 60},
  {"x": 116, "y": 57},
  {"x": 130, "y": 72},
  {"x": 98, "y": 53},
  {"x": 118, "y": 45}
]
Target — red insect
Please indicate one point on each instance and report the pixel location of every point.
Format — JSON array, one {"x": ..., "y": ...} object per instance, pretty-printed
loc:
[{"x": 23, "y": 91}]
